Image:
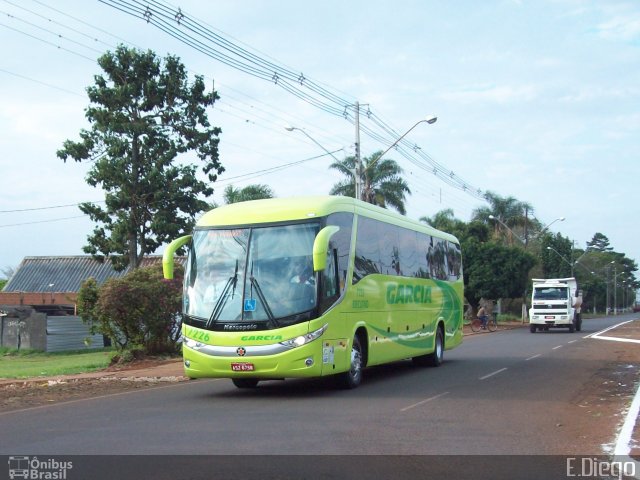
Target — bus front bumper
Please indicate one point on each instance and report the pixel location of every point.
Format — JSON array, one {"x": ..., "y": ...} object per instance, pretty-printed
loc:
[{"x": 209, "y": 362}]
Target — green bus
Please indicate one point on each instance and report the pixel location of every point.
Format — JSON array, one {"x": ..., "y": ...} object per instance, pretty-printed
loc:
[{"x": 315, "y": 286}]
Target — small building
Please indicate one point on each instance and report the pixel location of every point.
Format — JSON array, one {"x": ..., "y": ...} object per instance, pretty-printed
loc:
[{"x": 38, "y": 305}]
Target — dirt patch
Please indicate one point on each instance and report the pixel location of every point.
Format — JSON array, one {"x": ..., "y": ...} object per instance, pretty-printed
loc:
[
  {"x": 603, "y": 401},
  {"x": 140, "y": 374}
]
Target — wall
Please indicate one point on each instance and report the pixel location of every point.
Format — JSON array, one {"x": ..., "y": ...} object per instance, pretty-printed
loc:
[{"x": 24, "y": 328}]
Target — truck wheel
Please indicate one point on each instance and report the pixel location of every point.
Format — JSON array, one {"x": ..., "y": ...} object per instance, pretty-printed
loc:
[{"x": 532, "y": 328}]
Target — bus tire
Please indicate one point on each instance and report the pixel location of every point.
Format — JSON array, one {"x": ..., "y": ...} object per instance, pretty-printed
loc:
[
  {"x": 435, "y": 358},
  {"x": 352, "y": 377},
  {"x": 245, "y": 382}
]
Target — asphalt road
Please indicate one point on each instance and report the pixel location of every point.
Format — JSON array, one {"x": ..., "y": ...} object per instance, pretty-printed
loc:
[{"x": 505, "y": 393}]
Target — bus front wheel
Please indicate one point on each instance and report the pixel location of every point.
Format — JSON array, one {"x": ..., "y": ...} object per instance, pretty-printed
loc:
[{"x": 352, "y": 377}]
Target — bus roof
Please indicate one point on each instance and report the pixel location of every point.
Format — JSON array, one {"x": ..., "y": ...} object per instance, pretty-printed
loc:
[{"x": 274, "y": 210}]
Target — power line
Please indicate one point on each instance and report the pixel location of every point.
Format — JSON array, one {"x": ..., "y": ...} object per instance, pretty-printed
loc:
[{"x": 42, "y": 221}]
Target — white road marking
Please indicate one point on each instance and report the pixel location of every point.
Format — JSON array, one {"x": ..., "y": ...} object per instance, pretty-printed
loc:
[
  {"x": 493, "y": 373},
  {"x": 607, "y": 329},
  {"x": 531, "y": 358},
  {"x": 624, "y": 438},
  {"x": 559, "y": 346},
  {"x": 423, "y": 401}
]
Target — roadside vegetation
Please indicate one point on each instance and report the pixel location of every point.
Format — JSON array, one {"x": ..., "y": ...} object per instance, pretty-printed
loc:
[{"x": 29, "y": 363}]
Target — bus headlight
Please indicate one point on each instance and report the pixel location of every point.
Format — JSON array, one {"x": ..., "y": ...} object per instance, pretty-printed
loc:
[
  {"x": 304, "y": 339},
  {"x": 189, "y": 342}
]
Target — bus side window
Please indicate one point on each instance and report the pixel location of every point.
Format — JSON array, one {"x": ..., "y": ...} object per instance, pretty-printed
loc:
[{"x": 330, "y": 281}]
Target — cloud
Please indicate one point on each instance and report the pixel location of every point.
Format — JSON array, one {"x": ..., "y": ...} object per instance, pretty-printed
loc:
[
  {"x": 596, "y": 92},
  {"x": 621, "y": 27},
  {"x": 492, "y": 94}
]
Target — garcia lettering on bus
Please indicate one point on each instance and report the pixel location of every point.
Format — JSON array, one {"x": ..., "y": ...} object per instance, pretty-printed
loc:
[{"x": 398, "y": 293}]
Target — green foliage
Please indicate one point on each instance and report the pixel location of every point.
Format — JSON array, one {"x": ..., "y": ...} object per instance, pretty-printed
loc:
[
  {"x": 382, "y": 180},
  {"x": 491, "y": 270},
  {"x": 509, "y": 216},
  {"x": 494, "y": 271},
  {"x": 250, "y": 192},
  {"x": 3, "y": 283},
  {"x": 144, "y": 113},
  {"x": 140, "y": 312},
  {"x": 556, "y": 256},
  {"x": 29, "y": 363}
]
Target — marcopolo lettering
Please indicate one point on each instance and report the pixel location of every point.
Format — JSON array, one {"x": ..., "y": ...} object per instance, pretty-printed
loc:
[{"x": 397, "y": 293}]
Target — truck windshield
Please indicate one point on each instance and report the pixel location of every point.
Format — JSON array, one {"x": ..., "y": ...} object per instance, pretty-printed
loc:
[
  {"x": 550, "y": 293},
  {"x": 247, "y": 275}
]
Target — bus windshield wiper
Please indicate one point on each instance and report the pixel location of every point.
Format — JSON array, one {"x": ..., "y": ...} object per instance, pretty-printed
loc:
[
  {"x": 263, "y": 299},
  {"x": 222, "y": 300}
]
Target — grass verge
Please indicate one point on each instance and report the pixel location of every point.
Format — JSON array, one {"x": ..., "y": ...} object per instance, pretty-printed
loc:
[{"x": 27, "y": 364}]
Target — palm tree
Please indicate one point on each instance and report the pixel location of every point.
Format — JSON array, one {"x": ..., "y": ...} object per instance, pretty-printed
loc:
[
  {"x": 508, "y": 212},
  {"x": 250, "y": 192},
  {"x": 382, "y": 182}
]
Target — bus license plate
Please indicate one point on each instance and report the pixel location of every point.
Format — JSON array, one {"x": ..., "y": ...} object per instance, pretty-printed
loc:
[{"x": 242, "y": 367}]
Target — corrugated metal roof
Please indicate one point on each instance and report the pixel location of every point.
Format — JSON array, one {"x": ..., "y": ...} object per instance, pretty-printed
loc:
[{"x": 64, "y": 274}]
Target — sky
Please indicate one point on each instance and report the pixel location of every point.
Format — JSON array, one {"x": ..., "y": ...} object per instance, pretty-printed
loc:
[{"x": 538, "y": 100}]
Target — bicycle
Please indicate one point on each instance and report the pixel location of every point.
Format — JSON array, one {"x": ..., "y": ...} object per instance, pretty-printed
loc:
[{"x": 491, "y": 325}]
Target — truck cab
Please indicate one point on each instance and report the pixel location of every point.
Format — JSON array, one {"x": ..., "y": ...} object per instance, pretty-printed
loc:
[{"x": 555, "y": 303}]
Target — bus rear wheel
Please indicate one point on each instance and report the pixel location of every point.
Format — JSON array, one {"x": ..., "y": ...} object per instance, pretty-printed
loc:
[
  {"x": 352, "y": 377},
  {"x": 245, "y": 382},
  {"x": 436, "y": 358}
]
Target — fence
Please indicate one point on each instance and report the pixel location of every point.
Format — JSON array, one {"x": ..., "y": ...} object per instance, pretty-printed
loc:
[{"x": 24, "y": 328}]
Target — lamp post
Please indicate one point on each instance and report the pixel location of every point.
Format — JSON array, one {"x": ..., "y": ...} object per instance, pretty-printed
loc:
[
  {"x": 359, "y": 171},
  {"x": 289, "y": 128},
  {"x": 608, "y": 267},
  {"x": 571, "y": 264},
  {"x": 507, "y": 227}
]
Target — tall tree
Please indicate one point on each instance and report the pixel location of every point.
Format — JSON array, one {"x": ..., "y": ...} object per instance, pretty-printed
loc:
[
  {"x": 250, "y": 192},
  {"x": 382, "y": 181},
  {"x": 599, "y": 243},
  {"x": 508, "y": 212},
  {"x": 144, "y": 113}
]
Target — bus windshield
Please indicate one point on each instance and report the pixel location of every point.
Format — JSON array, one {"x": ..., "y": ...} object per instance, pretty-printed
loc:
[
  {"x": 550, "y": 293},
  {"x": 240, "y": 277}
]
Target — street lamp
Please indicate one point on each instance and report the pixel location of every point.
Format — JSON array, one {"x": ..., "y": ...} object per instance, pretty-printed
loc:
[
  {"x": 571, "y": 264},
  {"x": 507, "y": 227},
  {"x": 289, "y": 128},
  {"x": 560, "y": 219},
  {"x": 359, "y": 171}
]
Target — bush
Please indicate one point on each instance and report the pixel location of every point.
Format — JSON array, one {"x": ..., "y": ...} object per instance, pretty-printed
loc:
[{"x": 138, "y": 312}]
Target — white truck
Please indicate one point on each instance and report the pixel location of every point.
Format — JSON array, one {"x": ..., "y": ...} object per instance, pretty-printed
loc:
[{"x": 555, "y": 303}]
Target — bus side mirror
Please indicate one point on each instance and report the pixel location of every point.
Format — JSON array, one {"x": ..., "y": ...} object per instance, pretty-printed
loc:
[
  {"x": 321, "y": 247},
  {"x": 167, "y": 256}
]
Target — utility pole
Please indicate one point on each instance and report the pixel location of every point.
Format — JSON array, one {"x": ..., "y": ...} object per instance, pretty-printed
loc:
[{"x": 358, "y": 178}]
